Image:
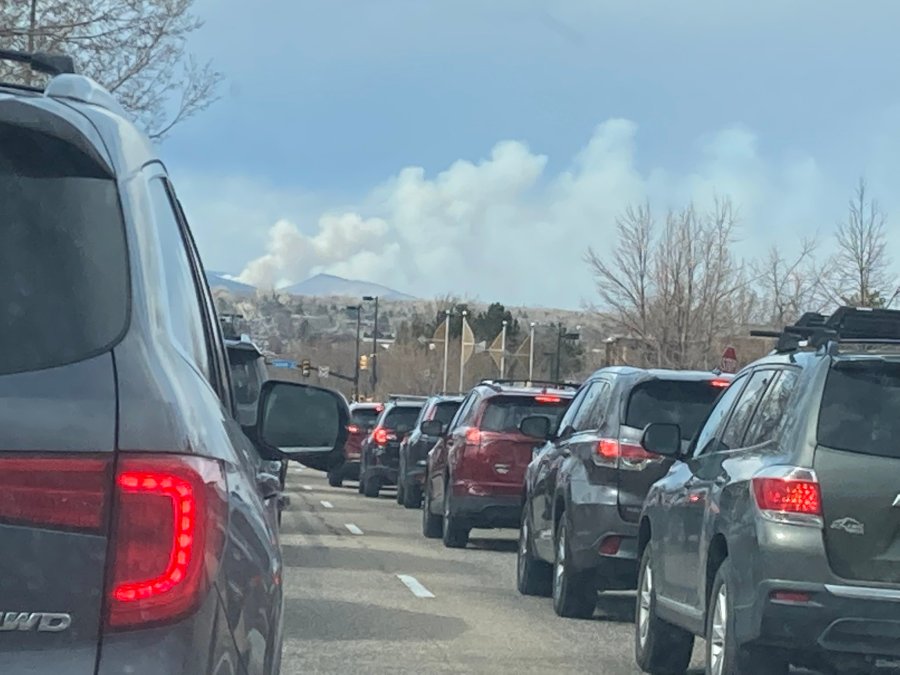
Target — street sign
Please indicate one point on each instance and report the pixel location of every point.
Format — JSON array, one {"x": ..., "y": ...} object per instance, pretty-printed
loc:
[
  {"x": 283, "y": 363},
  {"x": 324, "y": 371},
  {"x": 729, "y": 361}
]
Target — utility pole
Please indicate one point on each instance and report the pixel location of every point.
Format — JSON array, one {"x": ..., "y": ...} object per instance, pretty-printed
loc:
[
  {"x": 462, "y": 351},
  {"x": 370, "y": 298},
  {"x": 531, "y": 355},
  {"x": 503, "y": 351},
  {"x": 358, "y": 310},
  {"x": 560, "y": 329},
  {"x": 446, "y": 347}
]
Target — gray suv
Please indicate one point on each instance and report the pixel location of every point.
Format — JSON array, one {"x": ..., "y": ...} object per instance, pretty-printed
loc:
[
  {"x": 776, "y": 534},
  {"x": 138, "y": 523}
]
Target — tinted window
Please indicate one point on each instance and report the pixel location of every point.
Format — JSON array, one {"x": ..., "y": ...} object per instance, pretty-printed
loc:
[
  {"x": 504, "y": 413},
  {"x": 184, "y": 305},
  {"x": 733, "y": 434},
  {"x": 717, "y": 417},
  {"x": 401, "y": 419},
  {"x": 444, "y": 412},
  {"x": 682, "y": 403},
  {"x": 772, "y": 412},
  {"x": 861, "y": 409},
  {"x": 62, "y": 254},
  {"x": 585, "y": 418},
  {"x": 568, "y": 418},
  {"x": 466, "y": 412},
  {"x": 364, "y": 417}
]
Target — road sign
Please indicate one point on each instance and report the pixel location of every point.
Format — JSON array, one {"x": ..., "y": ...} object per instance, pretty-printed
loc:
[
  {"x": 729, "y": 360},
  {"x": 283, "y": 363},
  {"x": 324, "y": 371}
]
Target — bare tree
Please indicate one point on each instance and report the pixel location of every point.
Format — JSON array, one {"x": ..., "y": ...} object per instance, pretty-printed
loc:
[
  {"x": 790, "y": 286},
  {"x": 862, "y": 276},
  {"x": 135, "y": 48}
]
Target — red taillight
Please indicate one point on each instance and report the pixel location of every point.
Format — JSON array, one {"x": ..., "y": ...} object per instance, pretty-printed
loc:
[
  {"x": 787, "y": 495},
  {"x": 544, "y": 398},
  {"x": 353, "y": 429},
  {"x": 613, "y": 452},
  {"x": 67, "y": 492},
  {"x": 168, "y": 529},
  {"x": 473, "y": 436},
  {"x": 721, "y": 384},
  {"x": 791, "y": 597},
  {"x": 611, "y": 545},
  {"x": 380, "y": 436}
]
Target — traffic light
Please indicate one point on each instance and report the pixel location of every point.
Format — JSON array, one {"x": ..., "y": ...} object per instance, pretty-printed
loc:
[
  {"x": 305, "y": 367},
  {"x": 364, "y": 362}
]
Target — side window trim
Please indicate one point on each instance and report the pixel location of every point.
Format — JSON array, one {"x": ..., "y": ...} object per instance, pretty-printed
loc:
[
  {"x": 741, "y": 382},
  {"x": 772, "y": 374},
  {"x": 782, "y": 372},
  {"x": 575, "y": 406}
]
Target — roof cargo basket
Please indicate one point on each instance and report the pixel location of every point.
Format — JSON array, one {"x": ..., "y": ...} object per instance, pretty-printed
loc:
[
  {"x": 848, "y": 325},
  {"x": 41, "y": 62}
]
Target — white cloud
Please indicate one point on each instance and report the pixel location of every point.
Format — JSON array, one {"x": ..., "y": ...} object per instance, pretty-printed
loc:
[{"x": 502, "y": 228}]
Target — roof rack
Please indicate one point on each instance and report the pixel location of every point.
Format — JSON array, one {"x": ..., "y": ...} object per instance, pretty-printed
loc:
[
  {"x": 406, "y": 397},
  {"x": 848, "y": 325},
  {"x": 496, "y": 384},
  {"x": 41, "y": 62}
]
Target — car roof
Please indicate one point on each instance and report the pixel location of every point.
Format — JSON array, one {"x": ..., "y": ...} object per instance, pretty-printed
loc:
[
  {"x": 367, "y": 405},
  {"x": 660, "y": 374},
  {"x": 243, "y": 345},
  {"x": 447, "y": 398}
]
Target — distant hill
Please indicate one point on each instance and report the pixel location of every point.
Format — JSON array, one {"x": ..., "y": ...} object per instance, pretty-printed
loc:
[
  {"x": 328, "y": 285},
  {"x": 221, "y": 280}
]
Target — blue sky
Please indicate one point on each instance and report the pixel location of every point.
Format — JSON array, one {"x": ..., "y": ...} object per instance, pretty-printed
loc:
[{"x": 478, "y": 147}]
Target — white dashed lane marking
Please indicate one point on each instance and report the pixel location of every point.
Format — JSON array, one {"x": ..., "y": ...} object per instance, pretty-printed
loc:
[
  {"x": 413, "y": 585},
  {"x": 308, "y": 488},
  {"x": 327, "y": 505},
  {"x": 353, "y": 528}
]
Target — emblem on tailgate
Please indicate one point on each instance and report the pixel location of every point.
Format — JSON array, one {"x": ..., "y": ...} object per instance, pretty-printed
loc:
[
  {"x": 42, "y": 622},
  {"x": 849, "y": 525}
]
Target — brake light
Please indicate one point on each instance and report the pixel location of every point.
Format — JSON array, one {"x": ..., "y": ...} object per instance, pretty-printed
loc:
[
  {"x": 67, "y": 492},
  {"x": 544, "y": 398},
  {"x": 168, "y": 530},
  {"x": 353, "y": 429},
  {"x": 380, "y": 436},
  {"x": 611, "y": 545},
  {"x": 473, "y": 436},
  {"x": 721, "y": 384},
  {"x": 787, "y": 495},
  {"x": 622, "y": 454}
]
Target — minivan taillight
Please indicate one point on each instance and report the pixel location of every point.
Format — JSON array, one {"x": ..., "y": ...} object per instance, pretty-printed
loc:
[
  {"x": 789, "y": 495},
  {"x": 55, "y": 491},
  {"x": 168, "y": 529}
]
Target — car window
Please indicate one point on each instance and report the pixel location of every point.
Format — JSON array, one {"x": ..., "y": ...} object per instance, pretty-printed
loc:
[
  {"x": 64, "y": 293},
  {"x": 363, "y": 417},
  {"x": 706, "y": 438},
  {"x": 401, "y": 419},
  {"x": 733, "y": 434},
  {"x": 183, "y": 302},
  {"x": 567, "y": 420},
  {"x": 772, "y": 411},
  {"x": 585, "y": 418},
  {"x": 465, "y": 414},
  {"x": 685, "y": 403},
  {"x": 444, "y": 411},
  {"x": 860, "y": 410},
  {"x": 504, "y": 413}
]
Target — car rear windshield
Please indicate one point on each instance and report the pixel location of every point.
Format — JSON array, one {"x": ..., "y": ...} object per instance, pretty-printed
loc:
[
  {"x": 504, "y": 413},
  {"x": 64, "y": 295},
  {"x": 364, "y": 416},
  {"x": 444, "y": 411},
  {"x": 860, "y": 409},
  {"x": 402, "y": 419},
  {"x": 677, "y": 402}
]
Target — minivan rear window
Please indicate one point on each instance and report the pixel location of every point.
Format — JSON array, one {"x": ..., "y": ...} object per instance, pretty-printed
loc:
[
  {"x": 860, "y": 409},
  {"x": 505, "y": 413},
  {"x": 684, "y": 403},
  {"x": 63, "y": 260}
]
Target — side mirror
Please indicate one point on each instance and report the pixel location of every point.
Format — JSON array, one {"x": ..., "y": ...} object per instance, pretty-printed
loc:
[
  {"x": 432, "y": 428},
  {"x": 536, "y": 426},
  {"x": 303, "y": 423},
  {"x": 662, "y": 438}
]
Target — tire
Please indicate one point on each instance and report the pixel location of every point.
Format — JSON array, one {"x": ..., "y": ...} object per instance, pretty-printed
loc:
[
  {"x": 659, "y": 647},
  {"x": 362, "y": 478},
  {"x": 412, "y": 496},
  {"x": 432, "y": 525},
  {"x": 335, "y": 478},
  {"x": 400, "y": 491},
  {"x": 456, "y": 534},
  {"x": 574, "y": 592},
  {"x": 533, "y": 576},
  {"x": 724, "y": 656},
  {"x": 372, "y": 486}
]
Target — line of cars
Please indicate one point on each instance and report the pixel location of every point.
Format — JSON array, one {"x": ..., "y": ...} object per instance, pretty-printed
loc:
[{"x": 760, "y": 511}]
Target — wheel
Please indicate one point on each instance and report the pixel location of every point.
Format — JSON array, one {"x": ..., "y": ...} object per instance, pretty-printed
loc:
[
  {"x": 335, "y": 478},
  {"x": 533, "y": 576},
  {"x": 412, "y": 496},
  {"x": 574, "y": 592},
  {"x": 724, "y": 656},
  {"x": 456, "y": 534},
  {"x": 372, "y": 486},
  {"x": 659, "y": 647},
  {"x": 432, "y": 525}
]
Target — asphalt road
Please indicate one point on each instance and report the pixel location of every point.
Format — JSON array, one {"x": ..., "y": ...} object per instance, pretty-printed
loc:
[{"x": 356, "y": 569}]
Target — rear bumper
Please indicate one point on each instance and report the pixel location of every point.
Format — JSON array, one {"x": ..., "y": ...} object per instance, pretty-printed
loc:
[
  {"x": 592, "y": 526},
  {"x": 855, "y": 623},
  {"x": 487, "y": 511}
]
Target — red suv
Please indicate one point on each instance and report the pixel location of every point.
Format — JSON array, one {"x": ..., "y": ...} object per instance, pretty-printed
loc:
[
  {"x": 362, "y": 421},
  {"x": 476, "y": 471}
]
